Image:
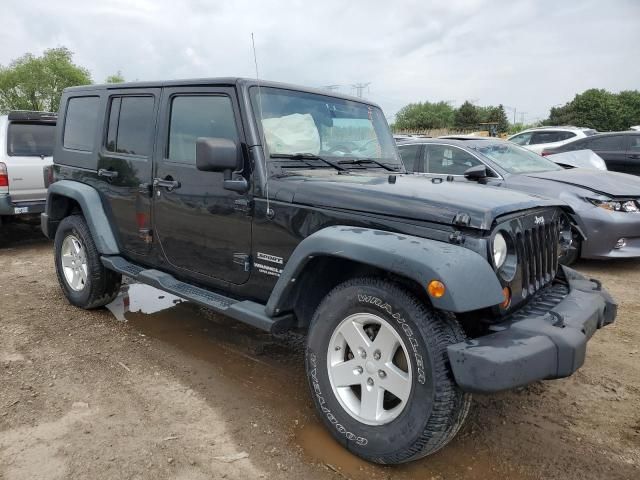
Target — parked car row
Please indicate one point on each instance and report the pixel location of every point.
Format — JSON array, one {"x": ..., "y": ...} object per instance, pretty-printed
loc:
[{"x": 620, "y": 151}]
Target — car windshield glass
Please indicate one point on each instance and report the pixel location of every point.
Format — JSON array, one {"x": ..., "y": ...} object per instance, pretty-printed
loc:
[
  {"x": 30, "y": 139},
  {"x": 296, "y": 122},
  {"x": 516, "y": 159}
]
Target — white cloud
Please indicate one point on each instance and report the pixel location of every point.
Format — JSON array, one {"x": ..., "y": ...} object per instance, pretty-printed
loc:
[{"x": 528, "y": 54}]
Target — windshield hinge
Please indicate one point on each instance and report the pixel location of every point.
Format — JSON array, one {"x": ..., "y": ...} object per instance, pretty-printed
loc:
[{"x": 243, "y": 205}]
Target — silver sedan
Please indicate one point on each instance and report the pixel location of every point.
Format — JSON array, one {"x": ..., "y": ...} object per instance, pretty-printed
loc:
[{"x": 606, "y": 205}]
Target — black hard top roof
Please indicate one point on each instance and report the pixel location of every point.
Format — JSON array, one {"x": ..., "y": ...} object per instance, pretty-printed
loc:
[{"x": 220, "y": 81}]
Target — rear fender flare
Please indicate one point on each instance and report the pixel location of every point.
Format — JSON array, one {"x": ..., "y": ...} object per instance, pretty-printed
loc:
[
  {"x": 470, "y": 281},
  {"x": 91, "y": 205}
]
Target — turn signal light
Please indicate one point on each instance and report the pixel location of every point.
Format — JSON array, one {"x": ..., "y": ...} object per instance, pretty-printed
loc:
[
  {"x": 436, "y": 289},
  {"x": 506, "y": 295}
]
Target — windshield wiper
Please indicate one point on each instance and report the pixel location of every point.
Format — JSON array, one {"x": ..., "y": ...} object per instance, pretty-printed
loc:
[
  {"x": 368, "y": 160},
  {"x": 307, "y": 156}
]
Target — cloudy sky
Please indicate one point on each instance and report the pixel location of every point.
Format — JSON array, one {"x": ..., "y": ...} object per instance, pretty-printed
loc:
[{"x": 525, "y": 54}]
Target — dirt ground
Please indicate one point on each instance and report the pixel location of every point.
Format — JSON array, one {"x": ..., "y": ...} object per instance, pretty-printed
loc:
[{"x": 156, "y": 388}]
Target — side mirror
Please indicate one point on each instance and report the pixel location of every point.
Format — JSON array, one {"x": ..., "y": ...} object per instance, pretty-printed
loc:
[
  {"x": 220, "y": 155},
  {"x": 477, "y": 172},
  {"x": 216, "y": 154}
]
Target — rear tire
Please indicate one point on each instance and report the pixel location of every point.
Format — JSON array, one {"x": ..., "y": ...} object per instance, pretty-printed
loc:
[
  {"x": 84, "y": 280},
  {"x": 343, "y": 369}
]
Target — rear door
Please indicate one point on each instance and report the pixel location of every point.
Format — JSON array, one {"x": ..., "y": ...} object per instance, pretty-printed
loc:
[
  {"x": 29, "y": 150},
  {"x": 125, "y": 164},
  {"x": 613, "y": 150}
]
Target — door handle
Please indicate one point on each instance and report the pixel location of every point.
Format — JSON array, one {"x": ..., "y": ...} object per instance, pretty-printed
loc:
[
  {"x": 167, "y": 182},
  {"x": 635, "y": 156},
  {"x": 103, "y": 172}
]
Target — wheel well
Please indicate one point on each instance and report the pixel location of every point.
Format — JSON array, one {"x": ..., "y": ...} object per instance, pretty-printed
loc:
[
  {"x": 59, "y": 207},
  {"x": 322, "y": 274}
]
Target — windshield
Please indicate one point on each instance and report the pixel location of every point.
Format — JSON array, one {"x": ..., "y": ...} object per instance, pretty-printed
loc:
[
  {"x": 296, "y": 122},
  {"x": 516, "y": 159},
  {"x": 30, "y": 139}
]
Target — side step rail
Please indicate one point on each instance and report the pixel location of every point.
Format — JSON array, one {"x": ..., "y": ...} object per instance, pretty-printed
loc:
[{"x": 246, "y": 311}]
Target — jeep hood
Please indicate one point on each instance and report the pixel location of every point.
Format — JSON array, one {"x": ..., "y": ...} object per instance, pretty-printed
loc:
[
  {"x": 613, "y": 184},
  {"x": 412, "y": 197}
]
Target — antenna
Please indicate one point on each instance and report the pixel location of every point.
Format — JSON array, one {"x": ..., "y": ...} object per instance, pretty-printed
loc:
[{"x": 261, "y": 129}]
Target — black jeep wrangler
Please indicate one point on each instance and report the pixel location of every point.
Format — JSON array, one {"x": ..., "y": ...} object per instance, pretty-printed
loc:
[{"x": 289, "y": 208}]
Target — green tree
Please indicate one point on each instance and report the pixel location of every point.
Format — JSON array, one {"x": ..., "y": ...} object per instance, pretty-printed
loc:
[
  {"x": 599, "y": 109},
  {"x": 424, "y": 115},
  {"x": 467, "y": 116},
  {"x": 497, "y": 114},
  {"x": 115, "y": 78},
  {"x": 36, "y": 83},
  {"x": 630, "y": 108}
]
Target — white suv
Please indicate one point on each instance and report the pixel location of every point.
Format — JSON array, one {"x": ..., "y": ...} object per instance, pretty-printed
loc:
[
  {"x": 540, "y": 138},
  {"x": 26, "y": 148}
]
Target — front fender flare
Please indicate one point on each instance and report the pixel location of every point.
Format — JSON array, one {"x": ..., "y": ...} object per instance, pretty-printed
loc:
[
  {"x": 91, "y": 205},
  {"x": 470, "y": 281}
]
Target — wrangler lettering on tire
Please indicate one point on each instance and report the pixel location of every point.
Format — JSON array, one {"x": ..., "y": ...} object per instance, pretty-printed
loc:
[{"x": 378, "y": 371}]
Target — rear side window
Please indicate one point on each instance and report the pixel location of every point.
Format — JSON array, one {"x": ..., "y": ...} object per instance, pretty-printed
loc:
[
  {"x": 30, "y": 139},
  {"x": 80, "y": 123},
  {"x": 195, "y": 116},
  {"x": 131, "y": 125},
  {"x": 409, "y": 154},
  {"x": 522, "y": 139},
  {"x": 635, "y": 143},
  {"x": 608, "y": 143},
  {"x": 546, "y": 137}
]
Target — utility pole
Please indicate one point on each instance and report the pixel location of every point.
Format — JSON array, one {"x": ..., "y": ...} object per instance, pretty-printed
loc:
[
  {"x": 360, "y": 88},
  {"x": 522, "y": 114}
]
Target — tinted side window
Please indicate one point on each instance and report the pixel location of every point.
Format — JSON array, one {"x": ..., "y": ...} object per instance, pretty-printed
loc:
[
  {"x": 409, "y": 154},
  {"x": 130, "y": 125},
  {"x": 448, "y": 160},
  {"x": 545, "y": 137},
  {"x": 613, "y": 142},
  {"x": 80, "y": 123},
  {"x": 635, "y": 143},
  {"x": 565, "y": 135},
  {"x": 580, "y": 144},
  {"x": 194, "y": 116},
  {"x": 522, "y": 139}
]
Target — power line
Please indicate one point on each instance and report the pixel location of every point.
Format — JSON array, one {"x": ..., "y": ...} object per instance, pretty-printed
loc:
[
  {"x": 360, "y": 88},
  {"x": 331, "y": 88}
]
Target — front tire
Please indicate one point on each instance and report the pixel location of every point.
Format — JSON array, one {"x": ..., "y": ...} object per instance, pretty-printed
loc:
[
  {"x": 84, "y": 280},
  {"x": 378, "y": 369}
]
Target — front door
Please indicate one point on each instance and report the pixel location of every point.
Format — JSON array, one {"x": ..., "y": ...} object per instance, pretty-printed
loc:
[{"x": 203, "y": 229}]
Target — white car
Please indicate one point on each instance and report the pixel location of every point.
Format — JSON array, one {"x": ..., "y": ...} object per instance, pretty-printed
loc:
[
  {"x": 540, "y": 138},
  {"x": 635, "y": 127},
  {"x": 26, "y": 147}
]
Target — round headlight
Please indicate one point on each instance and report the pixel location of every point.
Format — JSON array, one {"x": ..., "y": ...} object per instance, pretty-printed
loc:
[{"x": 499, "y": 250}]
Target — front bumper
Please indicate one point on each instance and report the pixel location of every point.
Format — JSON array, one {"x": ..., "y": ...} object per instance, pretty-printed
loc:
[
  {"x": 547, "y": 339},
  {"x": 7, "y": 207},
  {"x": 603, "y": 229}
]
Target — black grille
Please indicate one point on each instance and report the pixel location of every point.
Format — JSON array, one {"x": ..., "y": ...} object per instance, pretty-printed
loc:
[{"x": 538, "y": 254}]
